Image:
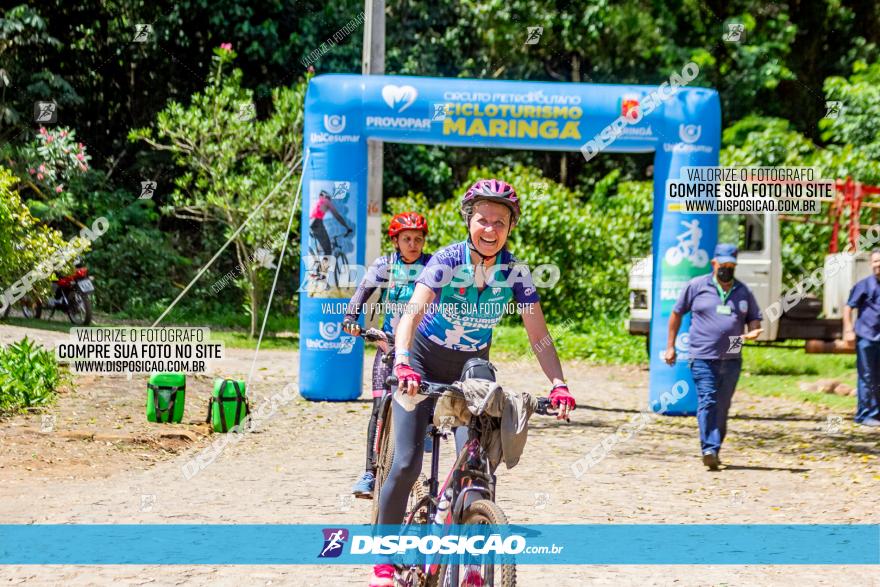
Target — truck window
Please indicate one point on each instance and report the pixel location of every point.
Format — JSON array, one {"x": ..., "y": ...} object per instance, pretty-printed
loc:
[{"x": 746, "y": 230}]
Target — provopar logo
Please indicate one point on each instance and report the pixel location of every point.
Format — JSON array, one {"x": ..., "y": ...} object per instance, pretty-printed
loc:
[{"x": 399, "y": 98}]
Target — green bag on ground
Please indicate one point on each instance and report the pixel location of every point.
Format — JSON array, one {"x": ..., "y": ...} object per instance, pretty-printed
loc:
[
  {"x": 228, "y": 406},
  {"x": 166, "y": 395}
]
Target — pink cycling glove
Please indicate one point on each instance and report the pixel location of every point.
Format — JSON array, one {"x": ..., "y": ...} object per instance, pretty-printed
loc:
[
  {"x": 405, "y": 373},
  {"x": 560, "y": 395}
]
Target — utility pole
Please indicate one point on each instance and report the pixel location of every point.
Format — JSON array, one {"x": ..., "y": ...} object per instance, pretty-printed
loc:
[{"x": 374, "y": 64}]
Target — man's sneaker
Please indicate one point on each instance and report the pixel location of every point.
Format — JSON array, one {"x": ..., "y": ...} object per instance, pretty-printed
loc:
[
  {"x": 383, "y": 576},
  {"x": 364, "y": 487},
  {"x": 711, "y": 460},
  {"x": 869, "y": 422}
]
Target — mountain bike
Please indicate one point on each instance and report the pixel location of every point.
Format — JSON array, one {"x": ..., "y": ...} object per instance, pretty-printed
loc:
[
  {"x": 337, "y": 250},
  {"x": 29, "y": 305},
  {"x": 688, "y": 246},
  {"x": 340, "y": 268},
  {"x": 383, "y": 444},
  {"x": 467, "y": 497}
]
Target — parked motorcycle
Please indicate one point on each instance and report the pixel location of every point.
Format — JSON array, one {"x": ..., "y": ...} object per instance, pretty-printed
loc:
[{"x": 70, "y": 294}]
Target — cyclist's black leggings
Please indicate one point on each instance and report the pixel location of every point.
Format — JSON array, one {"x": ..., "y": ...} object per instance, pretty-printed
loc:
[
  {"x": 437, "y": 365},
  {"x": 380, "y": 373},
  {"x": 320, "y": 233}
]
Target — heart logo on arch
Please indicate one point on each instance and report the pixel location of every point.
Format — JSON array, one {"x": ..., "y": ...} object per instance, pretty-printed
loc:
[{"x": 399, "y": 97}]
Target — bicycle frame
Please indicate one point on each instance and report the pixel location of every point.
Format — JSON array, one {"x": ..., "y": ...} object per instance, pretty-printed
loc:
[{"x": 468, "y": 475}]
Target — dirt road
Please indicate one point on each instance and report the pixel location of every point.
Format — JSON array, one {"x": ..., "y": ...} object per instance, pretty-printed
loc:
[{"x": 785, "y": 463}]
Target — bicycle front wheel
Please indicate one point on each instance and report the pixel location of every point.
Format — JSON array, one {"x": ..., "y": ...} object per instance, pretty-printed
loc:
[
  {"x": 384, "y": 457},
  {"x": 482, "y": 512}
]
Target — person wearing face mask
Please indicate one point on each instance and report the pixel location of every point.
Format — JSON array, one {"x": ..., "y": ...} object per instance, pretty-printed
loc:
[
  {"x": 724, "y": 314},
  {"x": 865, "y": 297}
]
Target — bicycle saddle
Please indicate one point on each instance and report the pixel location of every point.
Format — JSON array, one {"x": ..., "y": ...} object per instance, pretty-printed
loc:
[{"x": 478, "y": 369}]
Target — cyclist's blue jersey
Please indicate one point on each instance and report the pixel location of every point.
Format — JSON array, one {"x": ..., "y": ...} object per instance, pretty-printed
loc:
[
  {"x": 397, "y": 281},
  {"x": 401, "y": 285},
  {"x": 462, "y": 317}
]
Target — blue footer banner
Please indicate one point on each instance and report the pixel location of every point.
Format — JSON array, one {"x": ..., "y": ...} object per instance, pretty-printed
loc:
[{"x": 590, "y": 544}]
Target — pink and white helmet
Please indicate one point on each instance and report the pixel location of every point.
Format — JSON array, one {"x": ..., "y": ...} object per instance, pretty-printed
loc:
[{"x": 493, "y": 190}]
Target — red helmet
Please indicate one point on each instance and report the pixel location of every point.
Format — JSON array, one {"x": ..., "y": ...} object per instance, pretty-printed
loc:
[
  {"x": 493, "y": 190},
  {"x": 407, "y": 221}
]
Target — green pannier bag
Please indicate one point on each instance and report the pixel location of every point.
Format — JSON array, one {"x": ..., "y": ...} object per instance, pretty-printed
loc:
[
  {"x": 166, "y": 394},
  {"x": 228, "y": 406}
]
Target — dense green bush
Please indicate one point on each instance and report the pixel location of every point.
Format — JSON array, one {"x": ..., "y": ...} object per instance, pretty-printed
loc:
[
  {"x": 593, "y": 243},
  {"x": 133, "y": 269},
  {"x": 29, "y": 376},
  {"x": 25, "y": 243}
]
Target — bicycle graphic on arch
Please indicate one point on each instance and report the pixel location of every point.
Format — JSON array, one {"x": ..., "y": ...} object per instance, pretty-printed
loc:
[
  {"x": 330, "y": 242},
  {"x": 688, "y": 246}
]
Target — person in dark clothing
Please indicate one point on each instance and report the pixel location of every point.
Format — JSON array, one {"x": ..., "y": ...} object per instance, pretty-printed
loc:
[
  {"x": 865, "y": 298},
  {"x": 316, "y": 221},
  {"x": 724, "y": 314}
]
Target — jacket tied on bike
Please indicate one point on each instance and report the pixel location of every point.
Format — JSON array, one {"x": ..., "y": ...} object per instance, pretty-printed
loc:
[{"x": 504, "y": 442}]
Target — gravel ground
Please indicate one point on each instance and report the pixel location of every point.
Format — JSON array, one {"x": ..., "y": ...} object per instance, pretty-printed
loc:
[{"x": 784, "y": 463}]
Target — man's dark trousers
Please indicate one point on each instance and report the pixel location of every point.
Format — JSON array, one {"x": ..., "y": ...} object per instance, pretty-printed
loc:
[
  {"x": 868, "y": 367},
  {"x": 716, "y": 381}
]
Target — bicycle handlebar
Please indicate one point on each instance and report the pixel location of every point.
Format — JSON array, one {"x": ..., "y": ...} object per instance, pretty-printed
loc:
[
  {"x": 437, "y": 390},
  {"x": 374, "y": 334}
]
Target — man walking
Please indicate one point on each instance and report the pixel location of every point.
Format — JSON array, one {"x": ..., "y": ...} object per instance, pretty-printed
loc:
[
  {"x": 865, "y": 297},
  {"x": 724, "y": 313}
]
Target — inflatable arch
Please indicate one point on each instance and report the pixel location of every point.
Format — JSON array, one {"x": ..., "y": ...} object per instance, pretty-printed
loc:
[{"x": 681, "y": 126}]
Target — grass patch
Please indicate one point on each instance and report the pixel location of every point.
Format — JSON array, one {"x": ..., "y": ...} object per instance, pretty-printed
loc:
[
  {"x": 225, "y": 318},
  {"x": 786, "y": 386},
  {"x": 241, "y": 340},
  {"x": 220, "y": 329},
  {"x": 767, "y": 371},
  {"x": 792, "y": 360},
  {"x": 601, "y": 341},
  {"x": 777, "y": 372}
]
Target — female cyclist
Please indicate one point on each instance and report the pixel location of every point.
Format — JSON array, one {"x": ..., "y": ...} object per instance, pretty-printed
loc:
[
  {"x": 396, "y": 274},
  {"x": 436, "y": 338},
  {"x": 316, "y": 224}
]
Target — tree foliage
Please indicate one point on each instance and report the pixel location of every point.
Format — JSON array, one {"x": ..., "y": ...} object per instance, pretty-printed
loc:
[
  {"x": 26, "y": 242},
  {"x": 230, "y": 162},
  {"x": 593, "y": 244},
  {"x": 212, "y": 167}
]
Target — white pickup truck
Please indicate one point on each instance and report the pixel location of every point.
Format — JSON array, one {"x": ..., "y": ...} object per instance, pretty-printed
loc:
[{"x": 819, "y": 323}]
